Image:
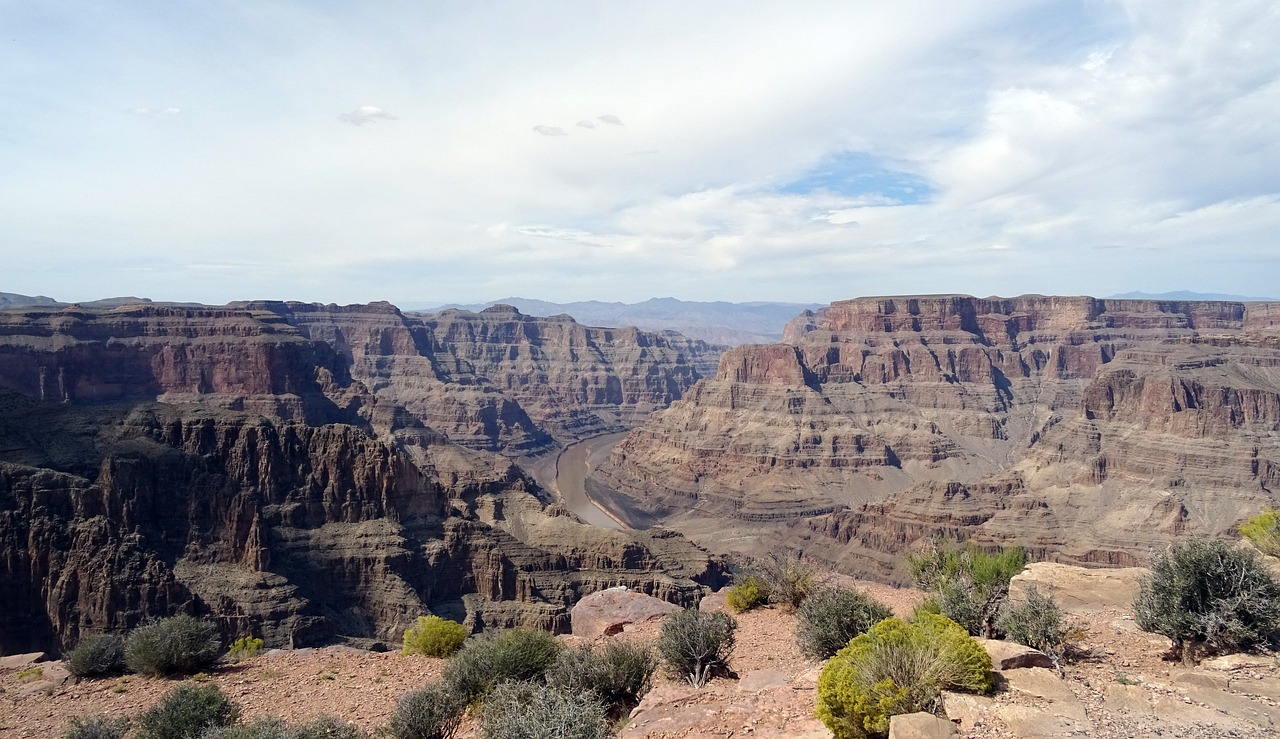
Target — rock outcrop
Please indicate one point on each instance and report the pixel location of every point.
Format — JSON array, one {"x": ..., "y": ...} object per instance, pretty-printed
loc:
[
  {"x": 251, "y": 463},
  {"x": 498, "y": 380},
  {"x": 1087, "y": 430}
]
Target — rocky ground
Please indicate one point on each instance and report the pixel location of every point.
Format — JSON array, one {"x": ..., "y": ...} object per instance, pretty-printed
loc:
[{"x": 1122, "y": 688}]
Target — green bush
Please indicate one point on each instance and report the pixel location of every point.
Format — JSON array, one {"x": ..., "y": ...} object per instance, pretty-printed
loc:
[
  {"x": 185, "y": 712},
  {"x": 898, "y": 667},
  {"x": 432, "y": 712},
  {"x": 750, "y": 593},
  {"x": 828, "y": 619},
  {"x": 1208, "y": 597},
  {"x": 96, "y": 727},
  {"x": 1263, "y": 530},
  {"x": 175, "y": 645},
  {"x": 529, "y": 710},
  {"x": 96, "y": 654},
  {"x": 786, "y": 581},
  {"x": 970, "y": 584},
  {"x": 486, "y": 661},
  {"x": 434, "y": 637},
  {"x": 619, "y": 673},
  {"x": 1037, "y": 622},
  {"x": 696, "y": 644},
  {"x": 244, "y": 648}
]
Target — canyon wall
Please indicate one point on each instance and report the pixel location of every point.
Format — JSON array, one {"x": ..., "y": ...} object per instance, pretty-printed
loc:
[
  {"x": 1087, "y": 430},
  {"x": 272, "y": 466}
]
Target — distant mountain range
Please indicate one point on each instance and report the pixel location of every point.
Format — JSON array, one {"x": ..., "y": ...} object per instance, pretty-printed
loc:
[
  {"x": 1186, "y": 295},
  {"x": 717, "y": 322}
]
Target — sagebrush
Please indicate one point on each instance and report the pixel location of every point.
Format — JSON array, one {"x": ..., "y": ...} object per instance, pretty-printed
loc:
[
  {"x": 489, "y": 660},
  {"x": 619, "y": 673},
  {"x": 434, "y": 637},
  {"x": 431, "y": 712},
  {"x": 786, "y": 581},
  {"x": 185, "y": 712},
  {"x": 1036, "y": 621},
  {"x": 96, "y": 727},
  {"x": 969, "y": 584},
  {"x": 174, "y": 645},
  {"x": 695, "y": 645},
  {"x": 829, "y": 618},
  {"x": 532, "y": 710},
  {"x": 96, "y": 655},
  {"x": 1209, "y": 598},
  {"x": 898, "y": 667}
]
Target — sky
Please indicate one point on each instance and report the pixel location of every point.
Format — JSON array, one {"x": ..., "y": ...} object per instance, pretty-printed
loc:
[{"x": 806, "y": 152}]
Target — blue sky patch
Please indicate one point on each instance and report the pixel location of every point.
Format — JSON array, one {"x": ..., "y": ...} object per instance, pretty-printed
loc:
[{"x": 855, "y": 174}]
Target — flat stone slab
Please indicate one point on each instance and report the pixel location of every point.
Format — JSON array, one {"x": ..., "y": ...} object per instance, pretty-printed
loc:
[
  {"x": 19, "y": 661},
  {"x": 970, "y": 710},
  {"x": 607, "y": 612},
  {"x": 757, "y": 680},
  {"x": 920, "y": 726},
  {"x": 1044, "y": 684},
  {"x": 1007, "y": 655},
  {"x": 1080, "y": 589},
  {"x": 1128, "y": 701}
]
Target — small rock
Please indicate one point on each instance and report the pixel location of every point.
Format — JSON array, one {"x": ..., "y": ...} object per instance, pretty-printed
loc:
[
  {"x": 1007, "y": 655},
  {"x": 920, "y": 726}
]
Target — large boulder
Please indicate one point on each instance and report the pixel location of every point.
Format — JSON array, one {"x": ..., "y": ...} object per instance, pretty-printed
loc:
[{"x": 608, "y": 612}]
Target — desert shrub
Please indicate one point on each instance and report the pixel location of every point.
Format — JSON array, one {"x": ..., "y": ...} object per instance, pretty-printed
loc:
[
  {"x": 1037, "y": 622},
  {"x": 96, "y": 727},
  {"x": 619, "y": 673},
  {"x": 185, "y": 712},
  {"x": 325, "y": 726},
  {"x": 244, "y": 648},
  {"x": 30, "y": 674},
  {"x": 96, "y": 654},
  {"x": 898, "y": 667},
  {"x": 434, "y": 637},
  {"x": 263, "y": 728},
  {"x": 431, "y": 712},
  {"x": 828, "y": 619},
  {"x": 486, "y": 661},
  {"x": 747, "y": 595},
  {"x": 786, "y": 581},
  {"x": 1263, "y": 531},
  {"x": 696, "y": 644},
  {"x": 1208, "y": 597},
  {"x": 970, "y": 584},
  {"x": 175, "y": 645},
  {"x": 529, "y": 710},
  {"x": 322, "y": 727}
]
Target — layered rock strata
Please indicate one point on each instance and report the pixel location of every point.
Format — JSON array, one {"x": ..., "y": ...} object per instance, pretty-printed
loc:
[
  {"x": 1088, "y": 430},
  {"x": 233, "y": 462},
  {"x": 499, "y": 380}
]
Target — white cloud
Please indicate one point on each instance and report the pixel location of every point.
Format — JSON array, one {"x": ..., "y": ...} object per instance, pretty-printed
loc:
[
  {"x": 366, "y": 114},
  {"x": 1056, "y": 129}
]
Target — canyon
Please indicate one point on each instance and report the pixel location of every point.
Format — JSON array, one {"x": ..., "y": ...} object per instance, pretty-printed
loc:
[
  {"x": 315, "y": 473},
  {"x": 1088, "y": 431},
  {"x": 312, "y": 473}
]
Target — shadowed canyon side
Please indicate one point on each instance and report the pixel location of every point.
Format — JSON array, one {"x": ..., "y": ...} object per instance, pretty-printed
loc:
[
  {"x": 254, "y": 465},
  {"x": 1087, "y": 430}
]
